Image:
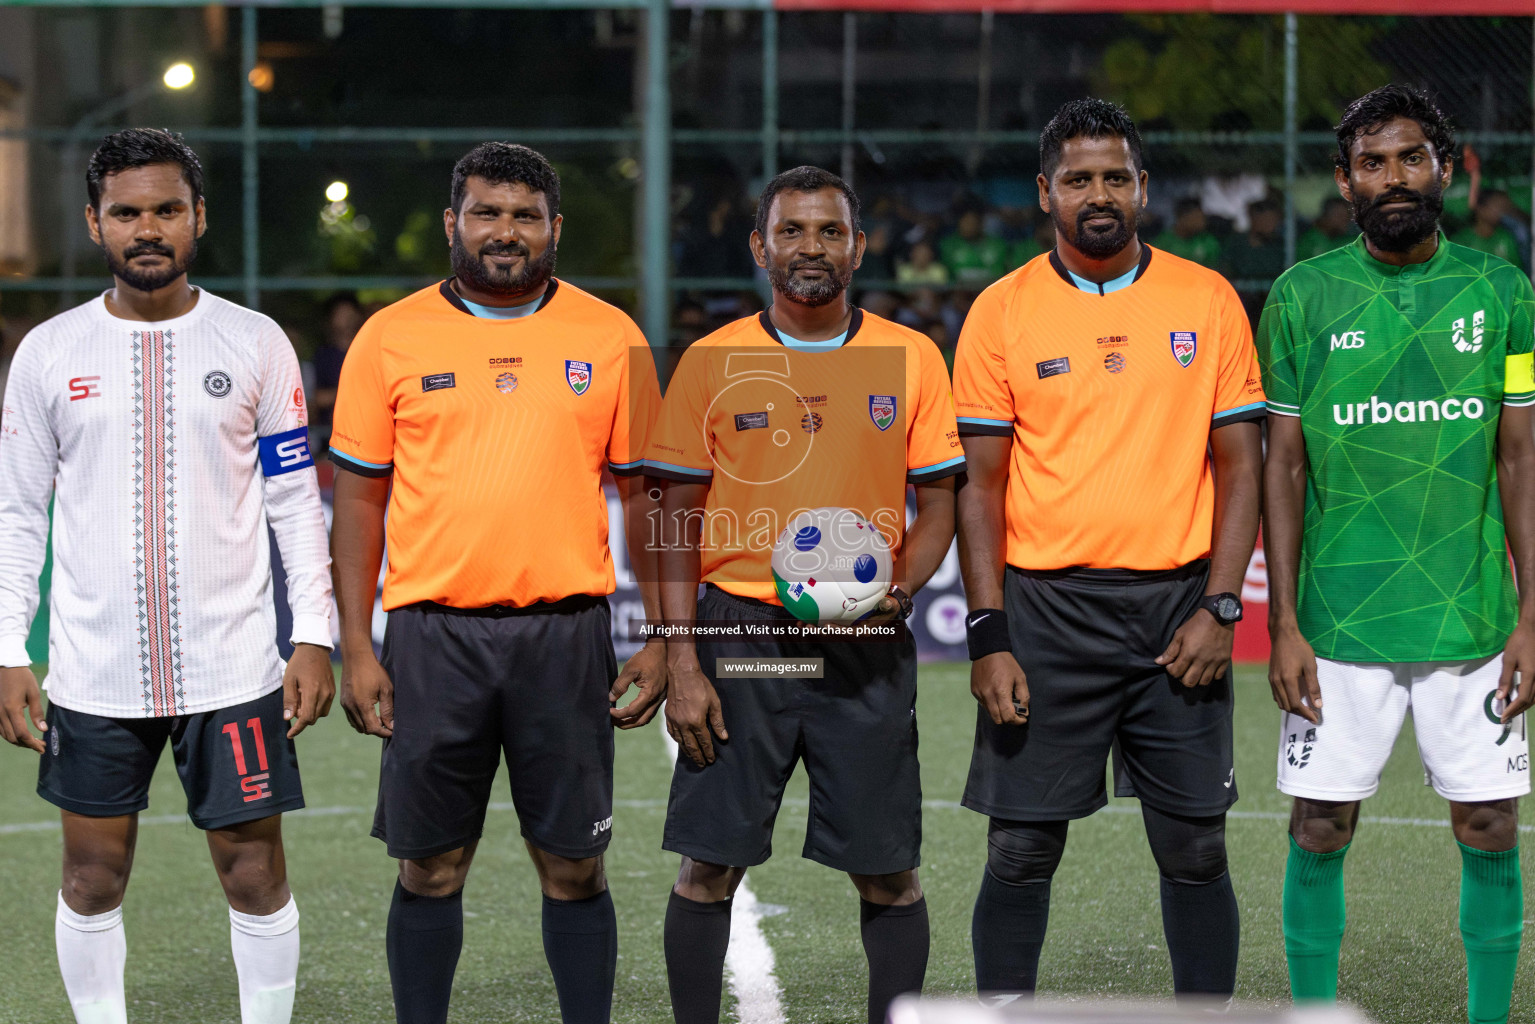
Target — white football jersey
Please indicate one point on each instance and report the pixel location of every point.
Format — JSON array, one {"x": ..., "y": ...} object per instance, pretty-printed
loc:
[{"x": 168, "y": 448}]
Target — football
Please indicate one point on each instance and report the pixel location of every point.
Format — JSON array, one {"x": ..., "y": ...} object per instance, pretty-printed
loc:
[{"x": 831, "y": 565}]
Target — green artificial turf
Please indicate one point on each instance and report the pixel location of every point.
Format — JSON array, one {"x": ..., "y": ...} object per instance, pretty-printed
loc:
[{"x": 1402, "y": 957}]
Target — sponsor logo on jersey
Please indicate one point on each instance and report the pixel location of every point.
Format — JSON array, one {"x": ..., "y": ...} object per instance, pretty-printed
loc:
[
  {"x": 1185, "y": 345},
  {"x": 882, "y": 410},
  {"x": 436, "y": 382},
  {"x": 217, "y": 383},
  {"x": 1114, "y": 341},
  {"x": 811, "y": 422},
  {"x": 506, "y": 360},
  {"x": 506, "y": 383},
  {"x": 578, "y": 375},
  {"x": 1114, "y": 362},
  {"x": 1053, "y": 367},
  {"x": 751, "y": 420},
  {"x": 84, "y": 387},
  {"x": 1299, "y": 758},
  {"x": 1472, "y": 341},
  {"x": 1348, "y": 339},
  {"x": 1377, "y": 411}
]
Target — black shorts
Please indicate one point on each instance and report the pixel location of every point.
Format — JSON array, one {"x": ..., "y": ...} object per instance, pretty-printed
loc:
[
  {"x": 1087, "y": 639},
  {"x": 469, "y": 684},
  {"x": 236, "y": 763},
  {"x": 856, "y": 729}
]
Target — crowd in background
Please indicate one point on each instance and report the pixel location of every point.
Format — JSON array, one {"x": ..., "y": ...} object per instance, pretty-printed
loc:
[{"x": 923, "y": 266}]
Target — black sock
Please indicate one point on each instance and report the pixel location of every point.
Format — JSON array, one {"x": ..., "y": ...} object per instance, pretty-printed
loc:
[
  {"x": 1203, "y": 931},
  {"x": 697, "y": 935},
  {"x": 581, "y": 945},
  {"x": 895, "y": 939},
  {"x": 1007, "y": 933},
  {"x": 425, "y": 936}
]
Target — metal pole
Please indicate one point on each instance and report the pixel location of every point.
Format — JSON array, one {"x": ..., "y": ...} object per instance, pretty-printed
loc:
[
  {"x": 69, "y": 160},
  {"x": 657, "y": 176},
  {"x": 769, "y": 93},
  {"x": 1291, "y": 143},
  {"x": 849, "y": 89},
  {"x": 982, "y": 88},
  {"x": 251, "y": 210}
]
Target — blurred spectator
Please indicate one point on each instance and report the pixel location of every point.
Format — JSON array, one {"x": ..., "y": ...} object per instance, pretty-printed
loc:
[
  {"x": 1037, "y": 244},
  {"x": 717, "y": 247},
  {"x": 1231, "y": 196},
  {"x": 922, "y": 267},
  {"x": 1486, "y": 232},
  {"x": 690, "y": 321},
  {"x": 1334, "y": 227},
  {"x": 1190, "y": 235},
  {"x": 1258, "y": 253},
  {"x": 342, "y": 319},
  {"x": 972, "y": 256}
]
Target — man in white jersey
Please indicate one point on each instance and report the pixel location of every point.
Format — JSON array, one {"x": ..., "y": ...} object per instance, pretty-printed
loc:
[{"x": 170, "y": 425}]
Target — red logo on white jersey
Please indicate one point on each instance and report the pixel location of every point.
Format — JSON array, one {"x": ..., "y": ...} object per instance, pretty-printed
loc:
[
  {"x": 298, "y": 398},
  {"x": 84, "y": 387}
]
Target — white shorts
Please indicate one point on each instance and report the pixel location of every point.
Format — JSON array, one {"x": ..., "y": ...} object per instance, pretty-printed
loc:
[{"x": 1468, "y": 756}]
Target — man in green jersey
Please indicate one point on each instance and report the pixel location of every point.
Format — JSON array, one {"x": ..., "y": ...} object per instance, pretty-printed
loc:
[{"x": 1401, "y": 461}]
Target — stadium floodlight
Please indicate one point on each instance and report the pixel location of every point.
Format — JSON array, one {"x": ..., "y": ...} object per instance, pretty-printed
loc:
[
  {"x": 336, "y": 192},
  {"x": 179, "y": 75},
  {"x": 912, "y": 1010}
]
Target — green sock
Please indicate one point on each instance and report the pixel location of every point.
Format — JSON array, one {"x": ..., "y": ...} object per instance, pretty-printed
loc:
[
  {"x": 1313, "y": 922},
  {"x": 1491, "y": 924}
]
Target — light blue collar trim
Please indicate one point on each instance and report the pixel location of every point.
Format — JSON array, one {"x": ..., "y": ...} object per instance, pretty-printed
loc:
[
  {"x": 501, "y": 312},
  {"x": 1125, "y": 280},
  {"x": 812, "y": 346}
]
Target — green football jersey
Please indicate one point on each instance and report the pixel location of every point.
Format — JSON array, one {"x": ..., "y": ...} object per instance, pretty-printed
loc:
[{"x": 1399, "y": 376}]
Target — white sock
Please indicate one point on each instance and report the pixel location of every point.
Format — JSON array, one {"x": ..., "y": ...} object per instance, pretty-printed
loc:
[
  {"x": 266, "y": 959},
  {"x": 92, "y": 951}
]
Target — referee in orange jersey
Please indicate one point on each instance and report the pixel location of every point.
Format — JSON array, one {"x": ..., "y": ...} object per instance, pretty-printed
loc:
[
  {"x": 481, "y": 412},
  {"x": 1109, "y": 398}
]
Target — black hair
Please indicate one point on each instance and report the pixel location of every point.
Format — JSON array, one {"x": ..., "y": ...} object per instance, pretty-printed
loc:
[
  {"x": 1087, "y": 118},
  {"x": 338, "y": 300},
  {"x": 506, "y": 163},
  {"x": 804, "y": 179},
  {"x": 140, "y": 147},
  {"x": 1268, "y": 204},
  {"x": 1370, "y": 113},
  {"x": 1188, "y": 204}
]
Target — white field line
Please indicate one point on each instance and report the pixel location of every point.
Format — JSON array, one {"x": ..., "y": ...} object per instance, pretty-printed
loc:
[
  {"x": 750, "y": 967},
  {"x": 23, "y": 827}
]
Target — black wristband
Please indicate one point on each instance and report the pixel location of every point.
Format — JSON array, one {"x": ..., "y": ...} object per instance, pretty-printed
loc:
[{"x": 986, "y": 632}]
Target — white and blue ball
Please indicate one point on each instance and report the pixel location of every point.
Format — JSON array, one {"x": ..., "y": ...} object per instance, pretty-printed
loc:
[{"x": 831, "y": 565}]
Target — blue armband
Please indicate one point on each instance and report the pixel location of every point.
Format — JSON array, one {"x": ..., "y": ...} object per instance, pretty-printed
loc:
[{"x": 285, "y": 452}]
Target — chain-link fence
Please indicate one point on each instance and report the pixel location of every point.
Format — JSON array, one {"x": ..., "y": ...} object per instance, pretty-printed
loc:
[{"x": 933, "y": 116}]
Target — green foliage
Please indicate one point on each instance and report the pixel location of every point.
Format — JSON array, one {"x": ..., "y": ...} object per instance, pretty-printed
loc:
[{"x": 1195, "y": 72}]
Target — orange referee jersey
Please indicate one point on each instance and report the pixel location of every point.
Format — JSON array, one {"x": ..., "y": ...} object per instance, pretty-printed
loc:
[
  {"x": 496, "y": 433},
  {"x": 775, "y": 427},
  {"x": 1110, "y": 397}
]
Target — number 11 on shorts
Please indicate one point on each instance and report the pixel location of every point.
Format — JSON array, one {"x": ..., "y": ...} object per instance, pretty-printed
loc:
[{"x": 255, "y": 787}]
